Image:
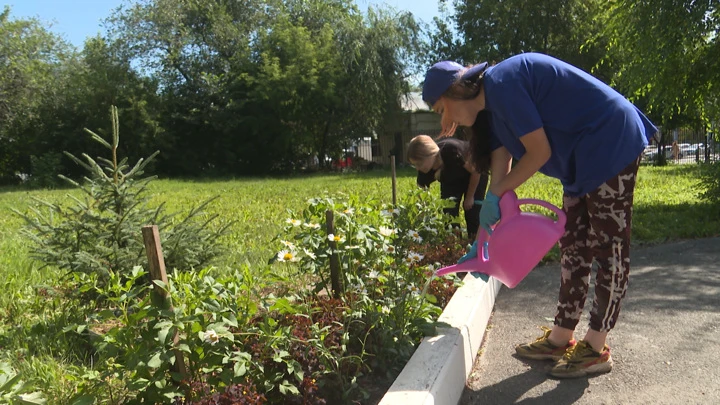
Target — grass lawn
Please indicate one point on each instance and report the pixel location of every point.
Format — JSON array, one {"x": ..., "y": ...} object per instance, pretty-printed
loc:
[{"x": 666, "y": 208}]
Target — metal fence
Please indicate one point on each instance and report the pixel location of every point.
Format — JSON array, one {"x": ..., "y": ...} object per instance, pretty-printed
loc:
[{"x": 684, "y": 146}]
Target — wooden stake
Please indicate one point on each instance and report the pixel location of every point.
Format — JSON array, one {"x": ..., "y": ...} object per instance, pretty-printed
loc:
[
  {"x": 161, "y": 298},
  {"x": 334, "y": 261},
  {"x": 394, "y": 181}
]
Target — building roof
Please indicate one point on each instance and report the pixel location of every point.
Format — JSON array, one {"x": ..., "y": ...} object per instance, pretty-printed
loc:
[{"x": 413, "y": 102}]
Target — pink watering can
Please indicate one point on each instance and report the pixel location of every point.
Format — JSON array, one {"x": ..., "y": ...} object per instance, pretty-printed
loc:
[{"x": 518, "y": 242}]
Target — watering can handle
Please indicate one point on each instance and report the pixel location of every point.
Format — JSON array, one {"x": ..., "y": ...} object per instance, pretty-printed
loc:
[{"x": 558, "y": 211}]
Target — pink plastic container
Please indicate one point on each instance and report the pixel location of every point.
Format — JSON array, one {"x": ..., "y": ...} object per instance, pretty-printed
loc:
[{"x": 518, "y": 242}]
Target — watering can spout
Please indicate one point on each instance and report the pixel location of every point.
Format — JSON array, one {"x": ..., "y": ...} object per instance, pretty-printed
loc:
[{"x": 518, "y": 242}]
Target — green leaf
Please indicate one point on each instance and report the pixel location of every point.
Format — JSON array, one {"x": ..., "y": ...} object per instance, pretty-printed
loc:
[
  {"x": 83, "y": 400},
  {"x": 155, "y": 361},
  {"x": 35, "y": 398},
  {"x": 231, "y": 320},
  {"x": 240, "y": 369},
  {"x": 286, "y": 388},
  {"x": 431, "y": 298},
  {"x": 163, "y": 334}
]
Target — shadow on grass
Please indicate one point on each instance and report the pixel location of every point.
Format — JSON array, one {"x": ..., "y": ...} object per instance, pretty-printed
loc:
[{"x": 656, "y": 223}]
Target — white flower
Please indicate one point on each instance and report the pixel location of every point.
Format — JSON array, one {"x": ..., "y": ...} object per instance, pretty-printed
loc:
[
  {"x": 336, "y": 238},
  {"x": 288, "y": 244},
  {"x": 431, "y": 230},
  {"x": 309, "y": 254},
  {"x": 385, "y": 231},
  {"x": 408, "y": 260},
  {"x": 349, "y": 211},
  {"x": 389, "y": 249},
  {"x": 293, "y": 222},
  {"x": 287, "y": 256},
  {"x": 396, "y": 211},
  {"x": 385, "y": 309},
  {"x": 373, "y": 274},
  {"x": 415, "y": 257},
  {"x": 385, "y": 213},
  {"x": 415, "y": 235},
  {"x": 413, "y": 290},
  {"x": 312, "y": 225},
  {"x": 210, "y": 336}
]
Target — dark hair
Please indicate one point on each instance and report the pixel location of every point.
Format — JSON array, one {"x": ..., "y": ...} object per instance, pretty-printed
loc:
[
  {"x": 480, "y": 148},
  {"x": 468, "y": 88}
]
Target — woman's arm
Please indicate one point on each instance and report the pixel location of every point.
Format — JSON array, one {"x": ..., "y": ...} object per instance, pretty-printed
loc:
[{"x": 537, "y": 153}]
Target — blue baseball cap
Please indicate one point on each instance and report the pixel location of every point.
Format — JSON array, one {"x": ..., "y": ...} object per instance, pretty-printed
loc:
[{"x": 442, "y": 75}]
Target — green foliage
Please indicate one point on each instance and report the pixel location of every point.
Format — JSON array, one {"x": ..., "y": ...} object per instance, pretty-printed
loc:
[
  {"x": 384, "y": 280},
  {"x": 101, "y": 232},
  {"x": 288, "y": 348},
  {"x": 248, "y": 85},
  {"x": 13, "y": 390},
  {"x": 710, "y": 179},
  {"x": 31, "y": 59},
  {"x": 45, "y": 169},
  {"x": 492, "y": 30},
  {"x": 666, "y": 56}
]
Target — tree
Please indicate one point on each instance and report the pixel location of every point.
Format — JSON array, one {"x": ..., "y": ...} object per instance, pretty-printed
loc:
[
  {"x": 667, "y": 55},
  {"x": 30, "y": 62},
  {"x": 249, "y": 87},
  {"x": 493, "y": 30}
]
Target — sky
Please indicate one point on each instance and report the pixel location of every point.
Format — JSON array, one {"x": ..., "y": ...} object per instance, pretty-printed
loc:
[{"x": 75, "y": 20}]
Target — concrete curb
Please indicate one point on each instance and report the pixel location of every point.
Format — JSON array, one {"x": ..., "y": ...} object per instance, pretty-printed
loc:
[{"x": 437, "y": 371}]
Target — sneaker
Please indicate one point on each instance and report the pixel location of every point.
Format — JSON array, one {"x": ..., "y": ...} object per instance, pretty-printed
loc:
[
  {"x": 582, "y": 360},
  {"x": 542, "y": 349}
]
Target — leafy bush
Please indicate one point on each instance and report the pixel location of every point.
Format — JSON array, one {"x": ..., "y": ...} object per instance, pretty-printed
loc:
[
  {"x": 710, "y": 179},
  {"x": 44, "y": 169},
  {"x": 384, "y": 281},
  {"x": 14, "y": 391}
]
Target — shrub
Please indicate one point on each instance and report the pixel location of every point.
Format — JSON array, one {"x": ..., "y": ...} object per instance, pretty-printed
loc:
[
  {"x": 101, "y": 232},
  {"x": 44, "y": 169},
  {"x": 710, "y": 179}
]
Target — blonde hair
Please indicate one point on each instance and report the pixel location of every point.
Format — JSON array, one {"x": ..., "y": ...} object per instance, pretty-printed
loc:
[{"x": 422, "y": 147}]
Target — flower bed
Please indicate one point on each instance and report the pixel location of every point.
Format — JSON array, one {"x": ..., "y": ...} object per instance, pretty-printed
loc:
[{"x": 255, "y": 337}]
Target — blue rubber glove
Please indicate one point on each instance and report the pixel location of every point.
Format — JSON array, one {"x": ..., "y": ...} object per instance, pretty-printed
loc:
[
  {"x": 470, "y": 253},
  {"x": 490, "y": 212}
]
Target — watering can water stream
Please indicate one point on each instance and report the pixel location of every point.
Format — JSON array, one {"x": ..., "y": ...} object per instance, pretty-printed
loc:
[{"x": 518, "y": 242}]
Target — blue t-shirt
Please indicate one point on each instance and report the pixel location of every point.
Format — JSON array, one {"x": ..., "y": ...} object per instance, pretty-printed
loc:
[{"x": 594, "y": 132}]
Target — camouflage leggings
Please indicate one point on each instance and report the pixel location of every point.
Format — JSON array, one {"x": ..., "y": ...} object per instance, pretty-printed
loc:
[{"x": 598, "y": 227}]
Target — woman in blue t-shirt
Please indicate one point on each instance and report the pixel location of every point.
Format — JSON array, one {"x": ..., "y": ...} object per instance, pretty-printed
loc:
[{"x": 556, "y": 119}]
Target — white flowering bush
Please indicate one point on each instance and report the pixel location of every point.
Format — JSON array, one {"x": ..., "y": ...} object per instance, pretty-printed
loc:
[{"x": 384, "y": 279}]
